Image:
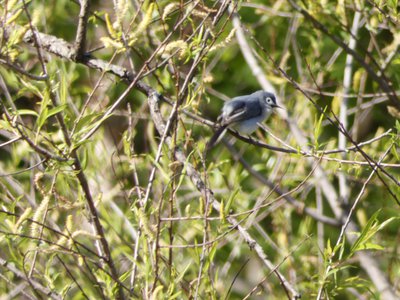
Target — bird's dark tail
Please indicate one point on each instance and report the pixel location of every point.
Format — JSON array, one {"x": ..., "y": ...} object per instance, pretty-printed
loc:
[{"x": 219, "y": 133}]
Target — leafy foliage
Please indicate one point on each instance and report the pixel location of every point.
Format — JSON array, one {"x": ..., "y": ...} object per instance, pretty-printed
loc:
[{"x": 98, "y": 202}]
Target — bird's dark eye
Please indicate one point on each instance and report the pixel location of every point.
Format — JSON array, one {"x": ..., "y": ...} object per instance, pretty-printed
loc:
[{"x": 269, "y": 100}]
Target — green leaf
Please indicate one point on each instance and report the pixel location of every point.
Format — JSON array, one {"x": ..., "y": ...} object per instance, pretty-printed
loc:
[
  {"x": 84, "y": 124},
  {"x": 230, "y": 200},
  {"x": 55, "y": 110},
  {"x": 395, "y": 153},
  {"x": 15, "y": 16},
  {"x": 47, "y": 113},
  {"x": 371, "y": 246},
  {"x": 392, "y": 4},
  {"x": 29, "y": 87},
  {"x": 42, "y": 118},
  {"x": 317, "y": 130},
  {"x": 370, "y": 229},
  {"x": 175, "y": 296},
  {"x": 63, "y": 84},
  {"x": 398, "y": 126},
  {"x": 27, "y": 112},
  {"x": 328, "y": 250}
]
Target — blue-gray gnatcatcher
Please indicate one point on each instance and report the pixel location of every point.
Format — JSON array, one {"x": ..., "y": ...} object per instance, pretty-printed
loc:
[{"x": 243, "y": 113}]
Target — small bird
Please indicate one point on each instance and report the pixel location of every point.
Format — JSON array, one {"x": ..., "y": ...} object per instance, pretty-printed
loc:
[{"x": 243, "y": 113}]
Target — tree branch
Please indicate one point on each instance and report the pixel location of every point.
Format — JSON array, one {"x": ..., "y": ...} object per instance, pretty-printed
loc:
[{"x": 80, "y": 40}]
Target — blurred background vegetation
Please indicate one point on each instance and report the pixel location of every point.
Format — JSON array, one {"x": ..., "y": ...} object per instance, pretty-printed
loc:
[{"x": 98, "y": 202}]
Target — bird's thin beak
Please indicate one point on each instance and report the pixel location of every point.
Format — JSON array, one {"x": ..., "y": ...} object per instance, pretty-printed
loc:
[{"x": 277, "y": 106}]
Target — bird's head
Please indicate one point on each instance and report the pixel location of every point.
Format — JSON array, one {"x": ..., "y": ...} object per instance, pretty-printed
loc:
[{"x": 267, "y": 99}]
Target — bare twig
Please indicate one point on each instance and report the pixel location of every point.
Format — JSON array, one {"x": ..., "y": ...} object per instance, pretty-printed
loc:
[
  {"x": 25, "y": 170},
  {"x": 342, "y": 95},
  {"x": 13, "y": 140},
  {"x": 22, "y": 71}
]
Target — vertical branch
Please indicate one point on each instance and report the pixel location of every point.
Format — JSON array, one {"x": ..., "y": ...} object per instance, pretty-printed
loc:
[
  {"x": 360, "y": 114},
  {"x": 80, "y": 39},
  {"x": 344, "y": 190},
  {"x": 203, "y": 255},
  {"x": 320, "y": 227}
]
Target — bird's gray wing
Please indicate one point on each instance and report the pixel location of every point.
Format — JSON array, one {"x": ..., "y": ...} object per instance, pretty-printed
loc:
[{"x": 238, "y": 110}]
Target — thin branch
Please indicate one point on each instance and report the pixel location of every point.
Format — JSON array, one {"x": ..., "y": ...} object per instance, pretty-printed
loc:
[
  {"x": 69, "y": 273},
  {"x": 343, "y": 95},
  {"x": 283, "y": 260},
  {"x": 13, "y": 140},
  {"x": 139, "y": 195},
  {"x": 344, "y": 190},
  {"x": 22, "y": 71},
  {"x": 35, "y": 40},
  {"x": 354, "y": 148},
  {"x": 25, "y": 170}
]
